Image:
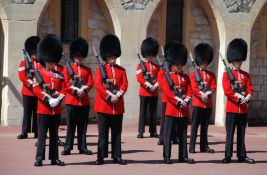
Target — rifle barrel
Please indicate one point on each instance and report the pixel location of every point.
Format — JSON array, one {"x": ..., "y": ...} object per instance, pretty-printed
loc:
[
  {"x": 96, "y": 55},
  {"x": 191, "y": 57}
]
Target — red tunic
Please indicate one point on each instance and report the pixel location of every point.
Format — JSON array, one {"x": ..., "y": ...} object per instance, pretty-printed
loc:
[
  {"x": 182, "y": 83},
  {"x": 118, "y": 76},
  {"x": 84, "y": 73},
  {"x": 53, "y": 80},
  {"x": 152, "y": 70},
  {"x": 58, "y": 68},
  {"x": 161, "y": 74},
  {"x": 210, "y": 80},
  {"x": 232, "y": 104},
  {"x": 26, "y": 81}
]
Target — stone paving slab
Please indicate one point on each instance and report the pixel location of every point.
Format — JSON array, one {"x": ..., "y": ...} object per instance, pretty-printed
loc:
[{"x": 144, "y": 156}]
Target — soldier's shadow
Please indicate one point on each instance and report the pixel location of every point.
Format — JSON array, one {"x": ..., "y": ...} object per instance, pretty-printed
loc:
[
  {"x": 233, "y": 161},
  {"x": 249, "y": 151},
  {"x": 145, "y": 161}
]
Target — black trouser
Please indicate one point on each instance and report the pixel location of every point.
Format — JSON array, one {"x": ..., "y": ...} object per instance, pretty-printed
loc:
[
  {"x": 200, "y": 116},
  {"x": 181, "y": 123},
  {"x": 29, "y": 123},
  {"x": 76, "y": 116},
  {"x": 162, "y": 126},
  {"x": 148, "y": 103},
  {"x": 162, "y": 122},
  {"x": 46, "y": 122},
  {"x": 239, "y": 121},
  {"x": 106, "y": 121}
]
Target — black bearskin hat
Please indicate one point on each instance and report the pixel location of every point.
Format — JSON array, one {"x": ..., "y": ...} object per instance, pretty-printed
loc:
[
  {"x": 149, "y": 47},
  {"x": 78, "y": 48},
  {"x": 110, "y": 46},
  {"x": 178, "y": 54},
  {"x": 203, "y": 53},
  {"x": 167, "y": 47},
  {"x": 30, "y": 45},
  {"x": 237, "y": 50},
  {"x": 49, "y": 49}
]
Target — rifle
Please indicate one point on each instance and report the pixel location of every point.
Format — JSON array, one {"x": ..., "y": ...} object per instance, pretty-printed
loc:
[
  {"x": 104, "y": 75},
  {"x": 41, "y": 83},
  {"x": 74, "y": 78},
  {"x": 28, "y": 64},
  {"x": 200, "y": 83},
  {"x": 166, "y": 68},
  {"x": 235, "y": 86},
  {"x": 144, "y": 71}
]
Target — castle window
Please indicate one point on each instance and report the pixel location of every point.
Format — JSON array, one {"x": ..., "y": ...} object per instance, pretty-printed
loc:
[
  {"x": 174, "y": 20},
  {"x": 69, "y": 20}
]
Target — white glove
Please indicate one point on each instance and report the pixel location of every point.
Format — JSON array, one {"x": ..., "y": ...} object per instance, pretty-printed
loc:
[
  {"x": 156, "y": 85},
  {"x": 204, "y": 97},
  {"x": 180, "y": 100},
  {"x": 208, "y": 93},
  {"x": 53, "y": 102},
  {"x": 187, "y": 100},
  {"x": 240, "y": 97},
  {"x": 148, "y": 84},
  {"x": 84, "y": 87},
  {"x": 246, "y": 99},
  {"x": 114, "y": 99},
  {"x": 75, "y": 88},
  {"x": 119, "y": 94}
]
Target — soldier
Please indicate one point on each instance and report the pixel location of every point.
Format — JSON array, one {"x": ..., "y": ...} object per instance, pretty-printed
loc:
[
  {"x": 161, "y": 74},
  {"x": 49, "y": 89},
  {"x": 147, "y": 77},
  {"x": 25, "y": 73},
  {"x": 238, "y": 91},
  {"x": 77, "y": 102},
  {"x": 111, "y": 85},
  {"x": 59, "y": 68},
  {"x": 178, "y": 98},
  {"x": 203, "y": 83}
]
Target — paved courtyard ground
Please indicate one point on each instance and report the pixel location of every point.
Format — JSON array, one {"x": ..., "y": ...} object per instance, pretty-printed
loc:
[{"x": 144, "y": 156}]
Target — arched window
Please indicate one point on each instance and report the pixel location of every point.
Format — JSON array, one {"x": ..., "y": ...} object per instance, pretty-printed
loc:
[
  {"x": 69, "y": 19},
  {"x": 174, "y": 20}
]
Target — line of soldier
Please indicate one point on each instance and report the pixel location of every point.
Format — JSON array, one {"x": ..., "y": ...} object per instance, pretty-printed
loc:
[{"x": 47, "y": 82}]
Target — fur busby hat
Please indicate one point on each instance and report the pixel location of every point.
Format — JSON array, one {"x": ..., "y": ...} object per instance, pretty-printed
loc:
[
  {"x": 167, "y": 47},
  {"x": 178, "y": 54},
  {"x": 78, "y": 48},
  {"x": 110, "y": 46},
  {"x": 237, "y": 50},
  {"x": 203, "y": 53},
  {"x": 149, "y": 47},
  {"x": 49, "y": 49},
  {"x": 30, "y": 45}
]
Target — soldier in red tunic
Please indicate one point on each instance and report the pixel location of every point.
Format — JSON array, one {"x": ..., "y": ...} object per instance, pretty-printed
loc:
[
  {"x": 238, "y": 91},
  {"x": 29, "y": 123},
  {"x": 77, "y": 102},
  {"x": 59, "y": 68},
  {"x": 203, "y": 83},
  {"x": 147, "y": 77},
  {"x": 49, "y": 89},
  {"x": 161, "y": 74},
  {"x": 178, "y": 98},
  {"x": 111, "y": 85}
]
